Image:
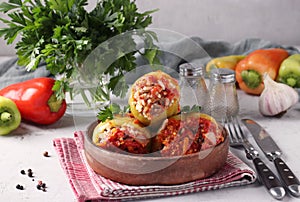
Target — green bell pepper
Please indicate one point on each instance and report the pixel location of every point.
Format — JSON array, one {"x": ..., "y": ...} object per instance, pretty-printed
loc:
[
  {"x": 289, "y": 71},
  {"x": 10, "y": 117}
]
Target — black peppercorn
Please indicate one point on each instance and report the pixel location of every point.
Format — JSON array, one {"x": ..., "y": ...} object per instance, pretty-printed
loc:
[
  {"x": 30, "y": 173},
  {"x": 20, "y": 187},
  {"x": 46, "y": 154},
  {"x": 41, "y": 185}
]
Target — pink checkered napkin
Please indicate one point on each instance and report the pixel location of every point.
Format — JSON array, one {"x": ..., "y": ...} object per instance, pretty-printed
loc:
[{"x": 88, "y": 185}]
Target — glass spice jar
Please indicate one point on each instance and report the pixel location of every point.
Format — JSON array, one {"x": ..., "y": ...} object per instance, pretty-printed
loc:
[
  {"x": 194, "y": 92},
  {"x": 223, "y": 101}
]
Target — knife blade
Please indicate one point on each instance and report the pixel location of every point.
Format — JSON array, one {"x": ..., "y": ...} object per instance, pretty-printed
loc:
[{"x": 273, "y": 153}]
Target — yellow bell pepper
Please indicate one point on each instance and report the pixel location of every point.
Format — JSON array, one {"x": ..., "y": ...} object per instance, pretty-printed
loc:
[{"x": 228, "y": 62}]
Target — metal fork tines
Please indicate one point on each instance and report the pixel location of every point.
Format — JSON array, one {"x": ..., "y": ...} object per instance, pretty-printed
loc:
[{"x": 267, "y": 177}]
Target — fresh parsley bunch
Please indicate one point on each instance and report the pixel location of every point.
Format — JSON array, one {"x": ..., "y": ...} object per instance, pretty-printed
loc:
[{"x": 63, "y": 33}]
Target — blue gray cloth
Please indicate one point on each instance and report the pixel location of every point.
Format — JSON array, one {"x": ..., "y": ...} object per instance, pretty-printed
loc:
[
  {"x": 198, "y": 51},
  {"x": 11, "y": 72},
  {"x": 194, "y": 49}
]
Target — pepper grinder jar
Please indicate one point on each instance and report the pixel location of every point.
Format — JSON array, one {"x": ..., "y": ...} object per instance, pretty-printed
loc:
[
  {"x": 193, "y": 88},
  {"x": 223, "y": 101}
]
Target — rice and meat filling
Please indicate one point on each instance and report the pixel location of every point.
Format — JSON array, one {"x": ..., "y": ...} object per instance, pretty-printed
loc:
[
  {"x": 153, "y": 96},
  {"x": 126, "y": 137}
]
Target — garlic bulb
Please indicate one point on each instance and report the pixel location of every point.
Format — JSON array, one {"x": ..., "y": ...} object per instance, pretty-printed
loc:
[{"x": 276, "y": 98}]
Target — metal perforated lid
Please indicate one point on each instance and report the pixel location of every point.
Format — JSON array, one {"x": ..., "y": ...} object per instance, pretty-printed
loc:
[
  {"x": 222, "y": 74},
  {"x": 188, "y": 69}
]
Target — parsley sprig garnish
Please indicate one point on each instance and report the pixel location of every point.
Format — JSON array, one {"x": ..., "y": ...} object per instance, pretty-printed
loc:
[
  {"x": 187, "y": 109},
  {"x": 109, "y": 111}
]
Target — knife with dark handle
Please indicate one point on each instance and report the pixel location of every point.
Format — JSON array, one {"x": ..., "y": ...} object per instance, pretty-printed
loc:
[
  {"x": 273, "y": 153},
  {"x": 267, "y": 177},
  {"x": 288, "y": 177}
]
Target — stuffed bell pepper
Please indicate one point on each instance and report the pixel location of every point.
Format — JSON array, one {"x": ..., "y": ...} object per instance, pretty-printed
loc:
[
  {"x": 154, "y": 97},
  {"x": 122, "y": 135},
  {"x": 186, "y": 134}
]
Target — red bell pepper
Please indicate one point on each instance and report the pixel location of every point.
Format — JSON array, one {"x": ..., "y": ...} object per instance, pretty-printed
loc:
[{"x": 36, "y": 100}]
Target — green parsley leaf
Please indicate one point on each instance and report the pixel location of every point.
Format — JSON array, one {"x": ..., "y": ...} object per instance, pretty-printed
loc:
[
  {"x": 109, "y": 111},
  {"x": 187, "y": 109}
]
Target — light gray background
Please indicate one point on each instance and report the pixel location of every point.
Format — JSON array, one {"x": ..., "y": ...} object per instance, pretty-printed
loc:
[{"x": 228, "y": 20}]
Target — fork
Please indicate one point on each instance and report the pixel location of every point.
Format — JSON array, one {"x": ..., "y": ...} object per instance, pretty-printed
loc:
[{"x": 238, "y": 139}]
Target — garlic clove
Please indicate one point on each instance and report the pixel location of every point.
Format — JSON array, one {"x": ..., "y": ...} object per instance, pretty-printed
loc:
[{"x": 276, "y": 98}]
